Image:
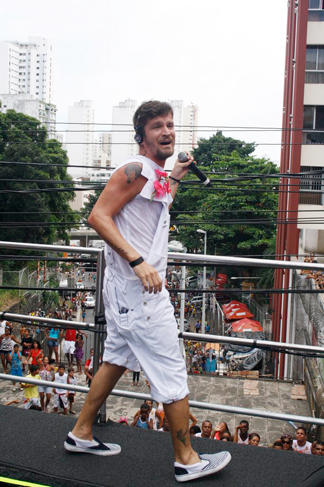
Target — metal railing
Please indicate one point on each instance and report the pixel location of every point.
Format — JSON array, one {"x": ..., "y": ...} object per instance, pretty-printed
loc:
[
  {"x": 195, "y": 404},
  {"x": 178, "y": 257}
]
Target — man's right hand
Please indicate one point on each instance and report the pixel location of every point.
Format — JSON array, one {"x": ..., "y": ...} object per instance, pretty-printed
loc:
[{"x": 149, "y": 276}]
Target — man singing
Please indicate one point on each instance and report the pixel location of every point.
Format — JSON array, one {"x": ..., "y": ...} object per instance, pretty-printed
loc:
[{"x": 132, "y": 216}]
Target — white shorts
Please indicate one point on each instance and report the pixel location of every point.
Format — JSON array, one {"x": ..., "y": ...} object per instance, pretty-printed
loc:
[
  {"x": 47, "y": 390},
  {"x": 69, "y": 347},
  {"x": 32, "y": 401},
  {"x": 145, "y": 336},
  {"x": 57, "y": 400}
]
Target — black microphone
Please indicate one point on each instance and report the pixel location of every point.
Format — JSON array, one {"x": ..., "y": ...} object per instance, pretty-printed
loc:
[{"x": 183, "y": 157}]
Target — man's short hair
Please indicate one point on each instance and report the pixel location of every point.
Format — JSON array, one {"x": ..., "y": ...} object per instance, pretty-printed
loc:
[
  {"x": 61, "y": 366},
  {"x": 245, "y": 422},
  {"x": 301, "y": 428},
  {"x": 148, "y": 110},
  {"x": 33, "y": 368}
]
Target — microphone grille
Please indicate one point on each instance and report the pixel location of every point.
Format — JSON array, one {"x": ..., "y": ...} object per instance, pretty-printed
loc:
[{"x": 182, "y": 156}]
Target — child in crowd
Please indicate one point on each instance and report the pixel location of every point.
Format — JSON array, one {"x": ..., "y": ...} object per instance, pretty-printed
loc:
[
  {"x": 15, "y": 358},
  {"x": 46, "y": 372},
  {"x": 60, "y": 395},
  {"x": 141, "y": 418},
  {"x": 35, "y": 353},
  {"x": 31, "y": 391},
  {"x": 71, "y": 394},
  {"x": 78, "y": 352}
]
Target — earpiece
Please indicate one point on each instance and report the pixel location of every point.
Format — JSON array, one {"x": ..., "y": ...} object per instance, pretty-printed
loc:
[{"x": 138, "y": 137}]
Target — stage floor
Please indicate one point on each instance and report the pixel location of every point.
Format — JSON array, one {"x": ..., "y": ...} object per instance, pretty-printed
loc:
[{"x": 31, "y": 449}]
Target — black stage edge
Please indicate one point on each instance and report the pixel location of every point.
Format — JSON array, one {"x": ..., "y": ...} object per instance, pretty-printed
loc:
[{"x": 31, "y": 449}]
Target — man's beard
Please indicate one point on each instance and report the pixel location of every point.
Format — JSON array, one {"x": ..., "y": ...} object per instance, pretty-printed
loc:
[{"x": 162, "y": 156}]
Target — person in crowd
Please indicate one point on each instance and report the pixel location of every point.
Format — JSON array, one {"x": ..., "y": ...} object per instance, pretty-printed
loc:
[
  {"x": 141, "y": 418},
  {"x": 78, "y": 352},
  {"x": 226, "y": 436},
  {"x": 31, "y": 390},
  {"x": 15, "y": 360},
  {"x": 136, "y": 376},
  {"x": 132, "y": 215},
  {"x": 254, "y": 439},
  {"x": 206, "y": 429},
  {"x": 71, "y": 394},
  {"x": 35, "y": 354},
  {"x": 318, "y": 448},
  {"x": 26, "y": 343},
  {"x": 197, "y": 326},
  {"x": 300, "y": 444},
  {"x": 123, "y": 420},
  {"x": 6, "y": 347},
  {"x": 60, "y": 395},
  {"x": 241, "y": 433},
  {"x": 218, "y": 431},
  {"x": 52, "y": 337},
  {"x": 88, "y": 368},
  {"x": 46, "y": 372},
  {"x": 194, "y": 430},
  {"x": 69, "y": 344},
  {"x": 287, "y": 442},
  {"x": 154, "y": 415},
  {"x": 277, "y": 445},
  {"x": 166, "y": 427},
  {"x": 207, "y": 329}
]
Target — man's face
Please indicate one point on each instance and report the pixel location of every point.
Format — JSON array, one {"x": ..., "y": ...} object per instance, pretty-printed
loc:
[
  {"x": 206, "y": 428},
  {"x": 301, "y": 437},
  {"x": 35, "y": 372},
  {"x": 159, "y": 138},
  {"x": 244, "y": 428},
  {"x": 319, "y": 450},
  {"x": 61, "y": 371}
]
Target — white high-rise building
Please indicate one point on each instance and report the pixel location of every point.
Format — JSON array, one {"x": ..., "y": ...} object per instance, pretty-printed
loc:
[
  {"x": 26, "y": 68},
  {"x": 123, "y": 145},
  {"x": 26, "y": 104},
  {"x": 79, "y": 137}
]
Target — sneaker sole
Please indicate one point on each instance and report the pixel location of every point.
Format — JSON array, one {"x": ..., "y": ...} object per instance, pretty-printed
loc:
[
  {"x": 103, "y": 453},
  {"x": 203, "y": 473}
]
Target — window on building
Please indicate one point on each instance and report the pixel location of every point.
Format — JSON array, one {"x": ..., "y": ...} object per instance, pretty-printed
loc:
[
  {"x": 313, "y": 125},
  {"x": 314, "y": 64},
  {"x": 316, "y": 10}
]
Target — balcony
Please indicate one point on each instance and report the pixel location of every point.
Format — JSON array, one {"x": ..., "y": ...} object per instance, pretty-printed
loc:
[
  {"x": 307, "y": 197},
  {"x": 315, "y": 16},
  {"x": 313, "y": 137}
]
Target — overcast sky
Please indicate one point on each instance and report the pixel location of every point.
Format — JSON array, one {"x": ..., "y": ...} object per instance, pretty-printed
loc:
[{"x": 225, "y": 56}]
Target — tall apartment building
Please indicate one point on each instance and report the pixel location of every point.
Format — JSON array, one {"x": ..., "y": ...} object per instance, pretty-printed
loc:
[
  {"x": 80, "y": 138},
  {"x": 26, "y": 68},
  {"x": 301, "y": 202},
  {"x": 123, "y": 146}
]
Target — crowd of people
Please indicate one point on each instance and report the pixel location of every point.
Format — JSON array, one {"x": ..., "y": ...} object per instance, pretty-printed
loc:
[{"x": 148, "y": 417}]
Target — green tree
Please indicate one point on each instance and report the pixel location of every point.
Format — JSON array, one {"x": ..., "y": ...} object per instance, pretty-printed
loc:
[
  {"x": 229, "y": 210},
  {"x": 92, "y": 200},
  {"x": 23, "y": 139}
]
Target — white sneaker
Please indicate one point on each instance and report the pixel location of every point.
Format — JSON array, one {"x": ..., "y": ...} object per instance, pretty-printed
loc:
[
  {"x": 210, "y": 463},
  {"x": 96, "y": 447}
]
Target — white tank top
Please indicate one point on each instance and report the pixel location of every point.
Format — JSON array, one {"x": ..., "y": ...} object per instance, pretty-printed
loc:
[{"x": 138, "y": 220}]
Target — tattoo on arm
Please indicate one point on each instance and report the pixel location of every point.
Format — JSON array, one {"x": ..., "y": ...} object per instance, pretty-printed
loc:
[
  {"x": 119, "y": 250},
  {"x": 182, "y": 436},
  {"x": 133, "y": 171}
]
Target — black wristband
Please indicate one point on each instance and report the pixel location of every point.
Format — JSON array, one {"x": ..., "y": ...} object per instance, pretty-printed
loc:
[
  {"x": 174, "y": 179},
  {"x": 136, "y": 262}
]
